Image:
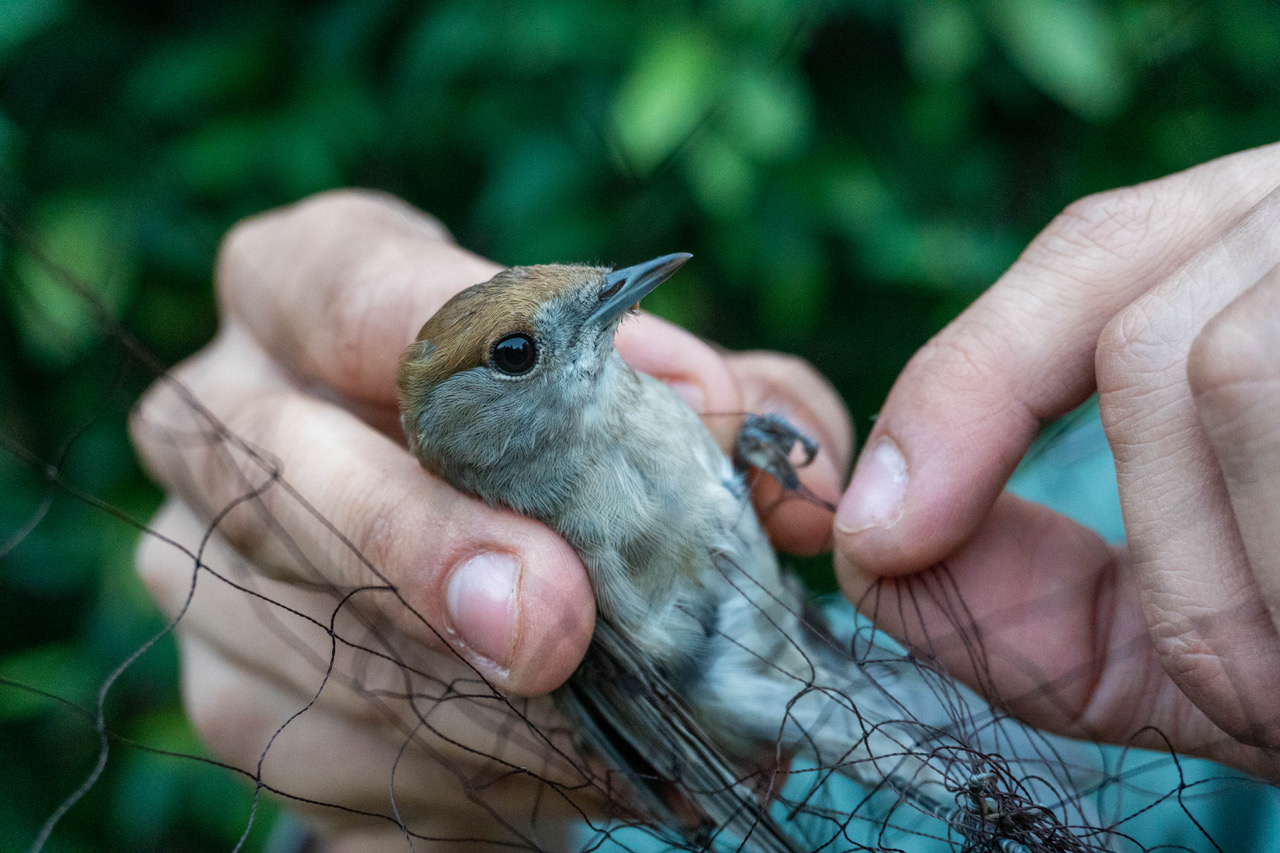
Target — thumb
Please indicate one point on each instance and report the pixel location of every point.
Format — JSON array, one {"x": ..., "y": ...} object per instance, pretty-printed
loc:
[
  {"x": 961, "y": 416},
  {"x": 968, "y": 405}
]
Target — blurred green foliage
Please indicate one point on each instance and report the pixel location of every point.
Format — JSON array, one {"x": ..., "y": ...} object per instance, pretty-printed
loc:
[{"x": 848, "y": 176}]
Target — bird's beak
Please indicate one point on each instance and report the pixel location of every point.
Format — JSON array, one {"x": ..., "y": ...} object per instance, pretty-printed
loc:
[{"x": 624, "y": 288}]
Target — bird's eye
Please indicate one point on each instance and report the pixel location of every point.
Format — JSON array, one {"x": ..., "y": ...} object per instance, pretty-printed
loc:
[{"x": 514, "y": 354}]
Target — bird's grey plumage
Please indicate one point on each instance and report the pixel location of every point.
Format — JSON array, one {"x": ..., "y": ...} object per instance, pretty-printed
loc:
[{"x": 706, "y": 666}]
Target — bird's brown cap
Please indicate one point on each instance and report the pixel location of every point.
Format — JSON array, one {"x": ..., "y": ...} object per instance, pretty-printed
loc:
[{"x": 462, "y": 333}]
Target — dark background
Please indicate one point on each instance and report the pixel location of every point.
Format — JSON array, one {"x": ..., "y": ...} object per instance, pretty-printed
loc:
[{"x": 848, "y": 176}]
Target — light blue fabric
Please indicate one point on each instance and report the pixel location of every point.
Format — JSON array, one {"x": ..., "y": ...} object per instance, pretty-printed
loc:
[{"x": 1071, "y": 470}]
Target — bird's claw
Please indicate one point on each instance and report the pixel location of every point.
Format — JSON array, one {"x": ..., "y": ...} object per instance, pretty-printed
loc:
[{"x": 766, "y": 442}]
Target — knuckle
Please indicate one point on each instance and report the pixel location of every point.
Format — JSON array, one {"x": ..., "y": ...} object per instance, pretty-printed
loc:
[
  {"x": 238, "y": 480},
  {"x": 377, "y": 533},
  {"x": 373, "y": 288},
  {"x": 241, "y": 244},
  {"x": 375, "y": 207},
  {"x": 1108, "y": 222},
  {"x": 165, "y": 571},
  {"x": 1232, "y": 354},
  {"x": 150, "y": 568},
  {"x": 356, "y": 212},
  {"x": 966, "y": 362},
  {"x": 1205, "y": 673},
  {"x": 349, "y": 200},
  {"x": 357, "y": 299},
  {"x": 235, "y": 260},
  {"x": 1140, "y": 342},
  {"x": 223, "y": 710},
  {"x": 141, "y": 424},
  {"x": 163, "y": 421},
  {"x": 242, "y": 233}
]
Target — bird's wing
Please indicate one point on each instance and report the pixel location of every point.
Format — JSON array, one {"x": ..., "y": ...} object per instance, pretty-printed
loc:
[{"x": 627, "y": 713}]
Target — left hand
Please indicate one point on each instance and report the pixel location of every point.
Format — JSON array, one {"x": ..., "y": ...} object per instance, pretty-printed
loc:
[{"x": 286, "y": 472}]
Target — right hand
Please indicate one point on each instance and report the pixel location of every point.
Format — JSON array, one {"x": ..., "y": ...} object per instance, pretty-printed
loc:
[{"x": 1165, "y": 299}]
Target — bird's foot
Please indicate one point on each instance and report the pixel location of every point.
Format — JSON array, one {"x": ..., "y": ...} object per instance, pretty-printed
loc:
[{"x": 766, "y": 442}]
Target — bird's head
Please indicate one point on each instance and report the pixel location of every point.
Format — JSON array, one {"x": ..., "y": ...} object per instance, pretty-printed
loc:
[{"x": 508, "y": 366}]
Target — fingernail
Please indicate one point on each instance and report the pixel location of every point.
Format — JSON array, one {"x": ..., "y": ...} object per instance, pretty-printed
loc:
[
  {"x": 874, "y": 497},
  {"x": 691, "y": 392},
  {"x": 483, "y": 604}
]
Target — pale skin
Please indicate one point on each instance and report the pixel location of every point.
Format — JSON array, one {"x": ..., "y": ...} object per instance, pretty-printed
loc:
[
  {"x": 1164, "y": 296},
  {"x": 318, "y": 301}
]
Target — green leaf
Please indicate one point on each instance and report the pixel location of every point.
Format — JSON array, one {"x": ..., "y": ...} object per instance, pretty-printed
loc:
[
  {"x": 21, "y": 20},
  {"x": 61, "y": 309},
  {"x": 1068, "y": 50},
  {"x": 793, "y": 281},
  {"x": 186, "y": 77},
  {"x": 722, "y": 179},
  {"x": 767, "y": 113},
  {"x": 942, "y": 40},
  {"x": 56, "y": 668},
  {"x": 669, "y": 91},
  {"x": 857, "y": 199},
  {"x": 10, "y": 140}
]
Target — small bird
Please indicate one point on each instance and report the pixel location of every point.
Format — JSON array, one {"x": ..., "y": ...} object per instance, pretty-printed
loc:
[{"x": 709, "y": 669}]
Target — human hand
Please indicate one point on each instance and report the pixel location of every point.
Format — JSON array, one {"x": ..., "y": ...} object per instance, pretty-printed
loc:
[
  {"x": 1165, "y": 298},
  {"x": 280, "y": 442}
]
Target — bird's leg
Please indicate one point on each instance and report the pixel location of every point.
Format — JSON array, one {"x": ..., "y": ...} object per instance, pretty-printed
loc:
[{"x": 766, "y": 442}]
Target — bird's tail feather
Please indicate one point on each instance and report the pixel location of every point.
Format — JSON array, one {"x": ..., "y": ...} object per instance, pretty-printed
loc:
[{"x": 626, "y": 712}]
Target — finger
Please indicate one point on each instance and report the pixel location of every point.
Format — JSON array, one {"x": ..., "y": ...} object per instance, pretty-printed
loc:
[
  {"x": 336, "y": 286},
  {"x": 353, "y": 777},
  {"x": 1063, "y": 644},
  {"x": 1234, "y": 372},
  {"x": 1208, "y": 620},
  {"x": 970, "y": 402},
  {"x": 318, "y": 652},
  {"x": 309, "y": 493},
  {"x": 777, "y": 384},
  {"x": 308, "y": 641}
]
